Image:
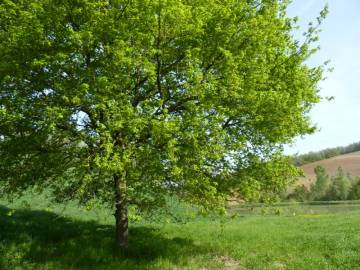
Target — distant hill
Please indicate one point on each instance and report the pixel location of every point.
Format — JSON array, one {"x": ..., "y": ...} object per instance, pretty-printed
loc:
[
  {"x": 327, "y": 153},
  {"x": 349, "y": 162}
]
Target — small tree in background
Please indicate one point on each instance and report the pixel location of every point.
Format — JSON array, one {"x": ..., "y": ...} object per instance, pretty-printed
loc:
[
  {"x": 340, "y": 186},
  {"x": 321, "y": 186},
  {"x": 354, "y": 192}
]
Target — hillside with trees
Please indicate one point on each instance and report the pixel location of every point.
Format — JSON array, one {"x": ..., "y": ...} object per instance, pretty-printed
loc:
[
  {"x": 339, "y": 187},
  {"x": 350, "y": 163},
  {"x": 314, "y": 156}
]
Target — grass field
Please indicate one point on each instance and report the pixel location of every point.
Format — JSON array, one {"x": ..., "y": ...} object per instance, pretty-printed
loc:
[{"x": 35, "y": 235}]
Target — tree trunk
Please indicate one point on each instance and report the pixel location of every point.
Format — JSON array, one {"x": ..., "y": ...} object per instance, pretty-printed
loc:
[{"x": 121, "y": 213}]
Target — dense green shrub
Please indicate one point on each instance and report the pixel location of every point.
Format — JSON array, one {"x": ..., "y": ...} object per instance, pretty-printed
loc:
[{"x": 300, "y": 194}]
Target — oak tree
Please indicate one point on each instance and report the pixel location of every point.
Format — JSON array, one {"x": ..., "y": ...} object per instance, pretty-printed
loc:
[{"x": 126, "y": 102}]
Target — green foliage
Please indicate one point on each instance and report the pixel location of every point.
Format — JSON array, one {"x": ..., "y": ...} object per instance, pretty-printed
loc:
[
  {"x": 354, "y": 193},
  {"x": 300, "y": 194},
  {"x": 319, "y": 189},
  {"x": 339, "y": 187},
  {"x": 170, "y": 97}
]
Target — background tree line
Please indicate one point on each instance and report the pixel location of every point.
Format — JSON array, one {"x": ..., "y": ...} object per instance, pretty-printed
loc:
[
  {"x": 341, "y": 186},
  {"x": 299, "y": 160}
]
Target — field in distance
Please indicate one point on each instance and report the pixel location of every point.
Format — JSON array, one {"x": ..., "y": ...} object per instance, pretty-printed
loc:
[{"x": 350, "y": 163}]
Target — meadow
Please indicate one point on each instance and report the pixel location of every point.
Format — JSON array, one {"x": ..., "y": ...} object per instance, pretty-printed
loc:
[{"x": 37, "y": 234}]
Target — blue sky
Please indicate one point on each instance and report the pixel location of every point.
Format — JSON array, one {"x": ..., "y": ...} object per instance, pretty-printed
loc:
[{"x": 338, "y": 120}]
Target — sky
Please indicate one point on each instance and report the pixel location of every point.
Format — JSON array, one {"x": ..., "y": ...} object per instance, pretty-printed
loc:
[{"x": 338, "y": 120}]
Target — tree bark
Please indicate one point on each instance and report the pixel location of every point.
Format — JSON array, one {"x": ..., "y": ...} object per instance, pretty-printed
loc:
[{"x": 121, "y": 213}]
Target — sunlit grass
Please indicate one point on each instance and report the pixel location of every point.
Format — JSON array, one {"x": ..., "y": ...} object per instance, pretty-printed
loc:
[{"x": 73, "y": 238}]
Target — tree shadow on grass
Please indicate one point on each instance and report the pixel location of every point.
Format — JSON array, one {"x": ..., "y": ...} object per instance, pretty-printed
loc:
[{"x": 39, "y": 239}]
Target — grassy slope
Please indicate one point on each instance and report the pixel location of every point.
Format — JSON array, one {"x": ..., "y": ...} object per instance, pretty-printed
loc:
[
  {"x": 319, "y": 238},
  {"x": 349, "y": 162}
]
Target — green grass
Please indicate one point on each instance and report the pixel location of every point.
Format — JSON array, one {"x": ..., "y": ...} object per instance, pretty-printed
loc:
[{"x": 35, "y": 235}]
